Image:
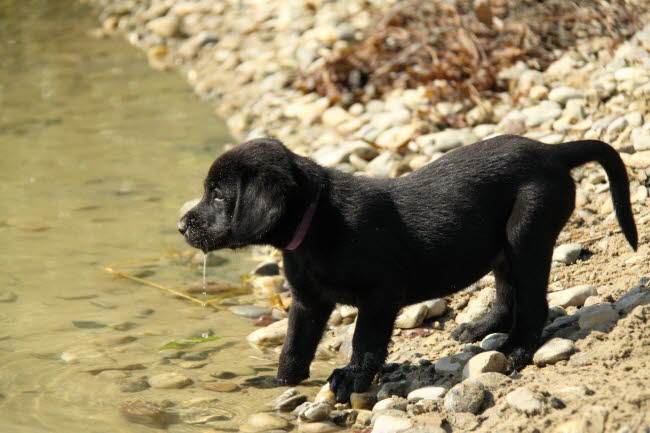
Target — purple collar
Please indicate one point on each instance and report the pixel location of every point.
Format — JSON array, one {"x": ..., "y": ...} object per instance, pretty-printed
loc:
[{"x": 302, "y": 228}]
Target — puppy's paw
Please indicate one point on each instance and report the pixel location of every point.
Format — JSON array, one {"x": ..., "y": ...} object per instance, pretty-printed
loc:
[
  {"x": 467, "y": 333},
  {"x": 287, "y": 377},
  {"x": 518, "y": 357},
  {"x": 345, "y": 381}
]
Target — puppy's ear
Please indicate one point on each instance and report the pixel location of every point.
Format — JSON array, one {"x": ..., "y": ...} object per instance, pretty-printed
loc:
[{"x": 260, "y": 204}]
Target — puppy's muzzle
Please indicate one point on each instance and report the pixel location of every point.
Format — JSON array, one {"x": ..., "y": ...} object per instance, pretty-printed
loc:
[{"x": 182, "y": 225}]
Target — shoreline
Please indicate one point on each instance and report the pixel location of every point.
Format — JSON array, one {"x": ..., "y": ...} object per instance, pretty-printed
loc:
[{"x": 243, "y": 61}]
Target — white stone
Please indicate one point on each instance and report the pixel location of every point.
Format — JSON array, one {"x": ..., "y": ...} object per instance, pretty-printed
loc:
[
  {"x": 412, "y": 316},
  {"x": 391, "y": 424},
  {"x": 394, "y": 402},
  {"x": 427, "y": 393},
  {"x": 169, "y": 381},
  {"x": 543, "y": 112},
  {"x": 523, "y": 400},
  {"x": 465, "y": 397},
  {"x": 396, "y": 137},
  {"x": 315, "y": 412},
  {"x": 485, "y": 362},
  {"x": 493, "y": 341},
  {"x": 166, "y": 26},
  {"x": 599, "y": 317},
  {"x": 435, "y": 308},
  {"x": 272, "y": 335},
  {"x": 640, "y": 138},
  {"x": 562, "y": 94},
  {"x": 573, "y": 297},
  {"x": 334, "y": 116},
  {"x": 554, "y": 350},
  {"x": 567, "y": 253},
  {"x": 478, "y": 306}
]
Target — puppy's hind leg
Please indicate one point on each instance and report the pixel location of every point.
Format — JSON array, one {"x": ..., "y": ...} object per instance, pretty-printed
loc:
[
  {"x": 499, "y": 318},
  {"x": 540, "y": 212}
]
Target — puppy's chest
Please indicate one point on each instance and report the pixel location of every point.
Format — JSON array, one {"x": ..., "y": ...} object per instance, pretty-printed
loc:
[{"x": 339, "y": 282}]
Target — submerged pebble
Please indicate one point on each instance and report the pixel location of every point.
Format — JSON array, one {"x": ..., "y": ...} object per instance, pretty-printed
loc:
[
  {"x": 7, "y": 296},
  {"x": 169, "y": 381},
  {"x": 146, "y": 413},
  {"x": 88, "y": 324}
]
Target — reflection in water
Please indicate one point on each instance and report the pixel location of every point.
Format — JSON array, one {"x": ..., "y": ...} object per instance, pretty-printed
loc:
[{"x": 98, "y": 153}]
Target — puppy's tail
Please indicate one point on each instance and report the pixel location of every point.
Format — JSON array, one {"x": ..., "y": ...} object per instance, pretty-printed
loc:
[{"x": 576, "y": 153}]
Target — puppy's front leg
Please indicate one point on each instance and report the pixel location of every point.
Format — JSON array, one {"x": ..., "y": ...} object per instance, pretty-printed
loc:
[
  {"x": 306, "y": 324},
  {"x": 369, "y": 350}
]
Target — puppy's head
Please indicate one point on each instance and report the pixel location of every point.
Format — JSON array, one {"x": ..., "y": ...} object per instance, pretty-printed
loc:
[{"x": 246, "y": 195}]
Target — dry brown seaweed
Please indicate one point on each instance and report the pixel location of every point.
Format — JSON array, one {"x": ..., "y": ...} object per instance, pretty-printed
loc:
[{"x": 457, "y": 48}]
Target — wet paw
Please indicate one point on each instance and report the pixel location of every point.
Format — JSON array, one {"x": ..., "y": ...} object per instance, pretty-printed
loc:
[
  {"x": 345, "y": 381},
  {"x": 288, "y": 377}
]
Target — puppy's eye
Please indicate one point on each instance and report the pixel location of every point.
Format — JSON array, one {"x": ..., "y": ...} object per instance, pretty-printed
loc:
[{"x": 218, "y": 197}]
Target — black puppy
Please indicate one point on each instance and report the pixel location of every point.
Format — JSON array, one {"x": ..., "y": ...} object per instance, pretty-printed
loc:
[{"x": 380, "y": 244}]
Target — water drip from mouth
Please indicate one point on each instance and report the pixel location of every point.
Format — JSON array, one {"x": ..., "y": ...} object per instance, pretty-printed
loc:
[{"x": 205, "y": 284}]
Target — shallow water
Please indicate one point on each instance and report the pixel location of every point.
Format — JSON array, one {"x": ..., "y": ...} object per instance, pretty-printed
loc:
[{"x": 98, "y": 154}]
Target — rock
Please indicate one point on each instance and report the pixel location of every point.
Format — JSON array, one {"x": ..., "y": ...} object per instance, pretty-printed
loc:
[
  {"x": 146, "y": 413},
  {"x": 325, "y": 395},
  {"x": 318, "y": 427},
  {"x": 391, "y": 424},
  {"x": 120, "y": 367},
  {"x": 190, "y": 48},
  {"x": 396, "y": 137},
  {"x": 166, "y": 26},
  {"x": 364, "y": 400},
  {"x": 88, "y": 324},
  {"x": 567, "y": 253},
  {"x": 598, "y": 317},
  {"x": 250, "y": 311},
  {"x": 573, "y": 297},
  {"x": 427, "y": 393},
  {"x": 435, "y": 308},
  {"x": 315, "y": 412},
  {"x": 81, "y": 353},
  {"x": 493, "y": 341},
  {"x": 449, "y": 365},
  {"x": 478, "y": 306},
  {"x": 412, "y": 316},
  {"x": 220, "y": 386},
  {"x": 523, "y": 400},
  {"x": 543, "y": 112},
  {"x": 112, "y": 340},
  {"x": 485, "y": 362},
  {"x": 631, "y": 299},
  {"x": 169, "y": 381},
  {"x": 396, "y": 403},
  {"x": 334, "y": 116},
  {"x": 260, "y": 422},
  {"x": 7, "y": 296},
  {"x": 272, "y": 335},
  {"x": 267, "y": 268},
  {"x": 187, "y": 206},
  {"x": 290, "y": 403},
  {"x": 554, "y": 350},
  {"x": 389, "y": 389},
  {"x": 562, "y": 94},
  {"x": 135, "y": 384},
  {"x": 465, "y": 397},
  {"x": 266, "y": 286},
  {"x": 593, "y": 300},
  {"x": 640, "y": 139},
  {"x": 491, "y": 381}
]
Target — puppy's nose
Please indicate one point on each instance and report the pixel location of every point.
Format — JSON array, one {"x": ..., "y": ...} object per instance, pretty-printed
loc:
[{"x": 182, "y": 225}]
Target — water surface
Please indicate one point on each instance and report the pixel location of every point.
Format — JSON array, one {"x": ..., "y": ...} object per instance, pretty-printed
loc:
[{"x": 98, "y": 153}]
